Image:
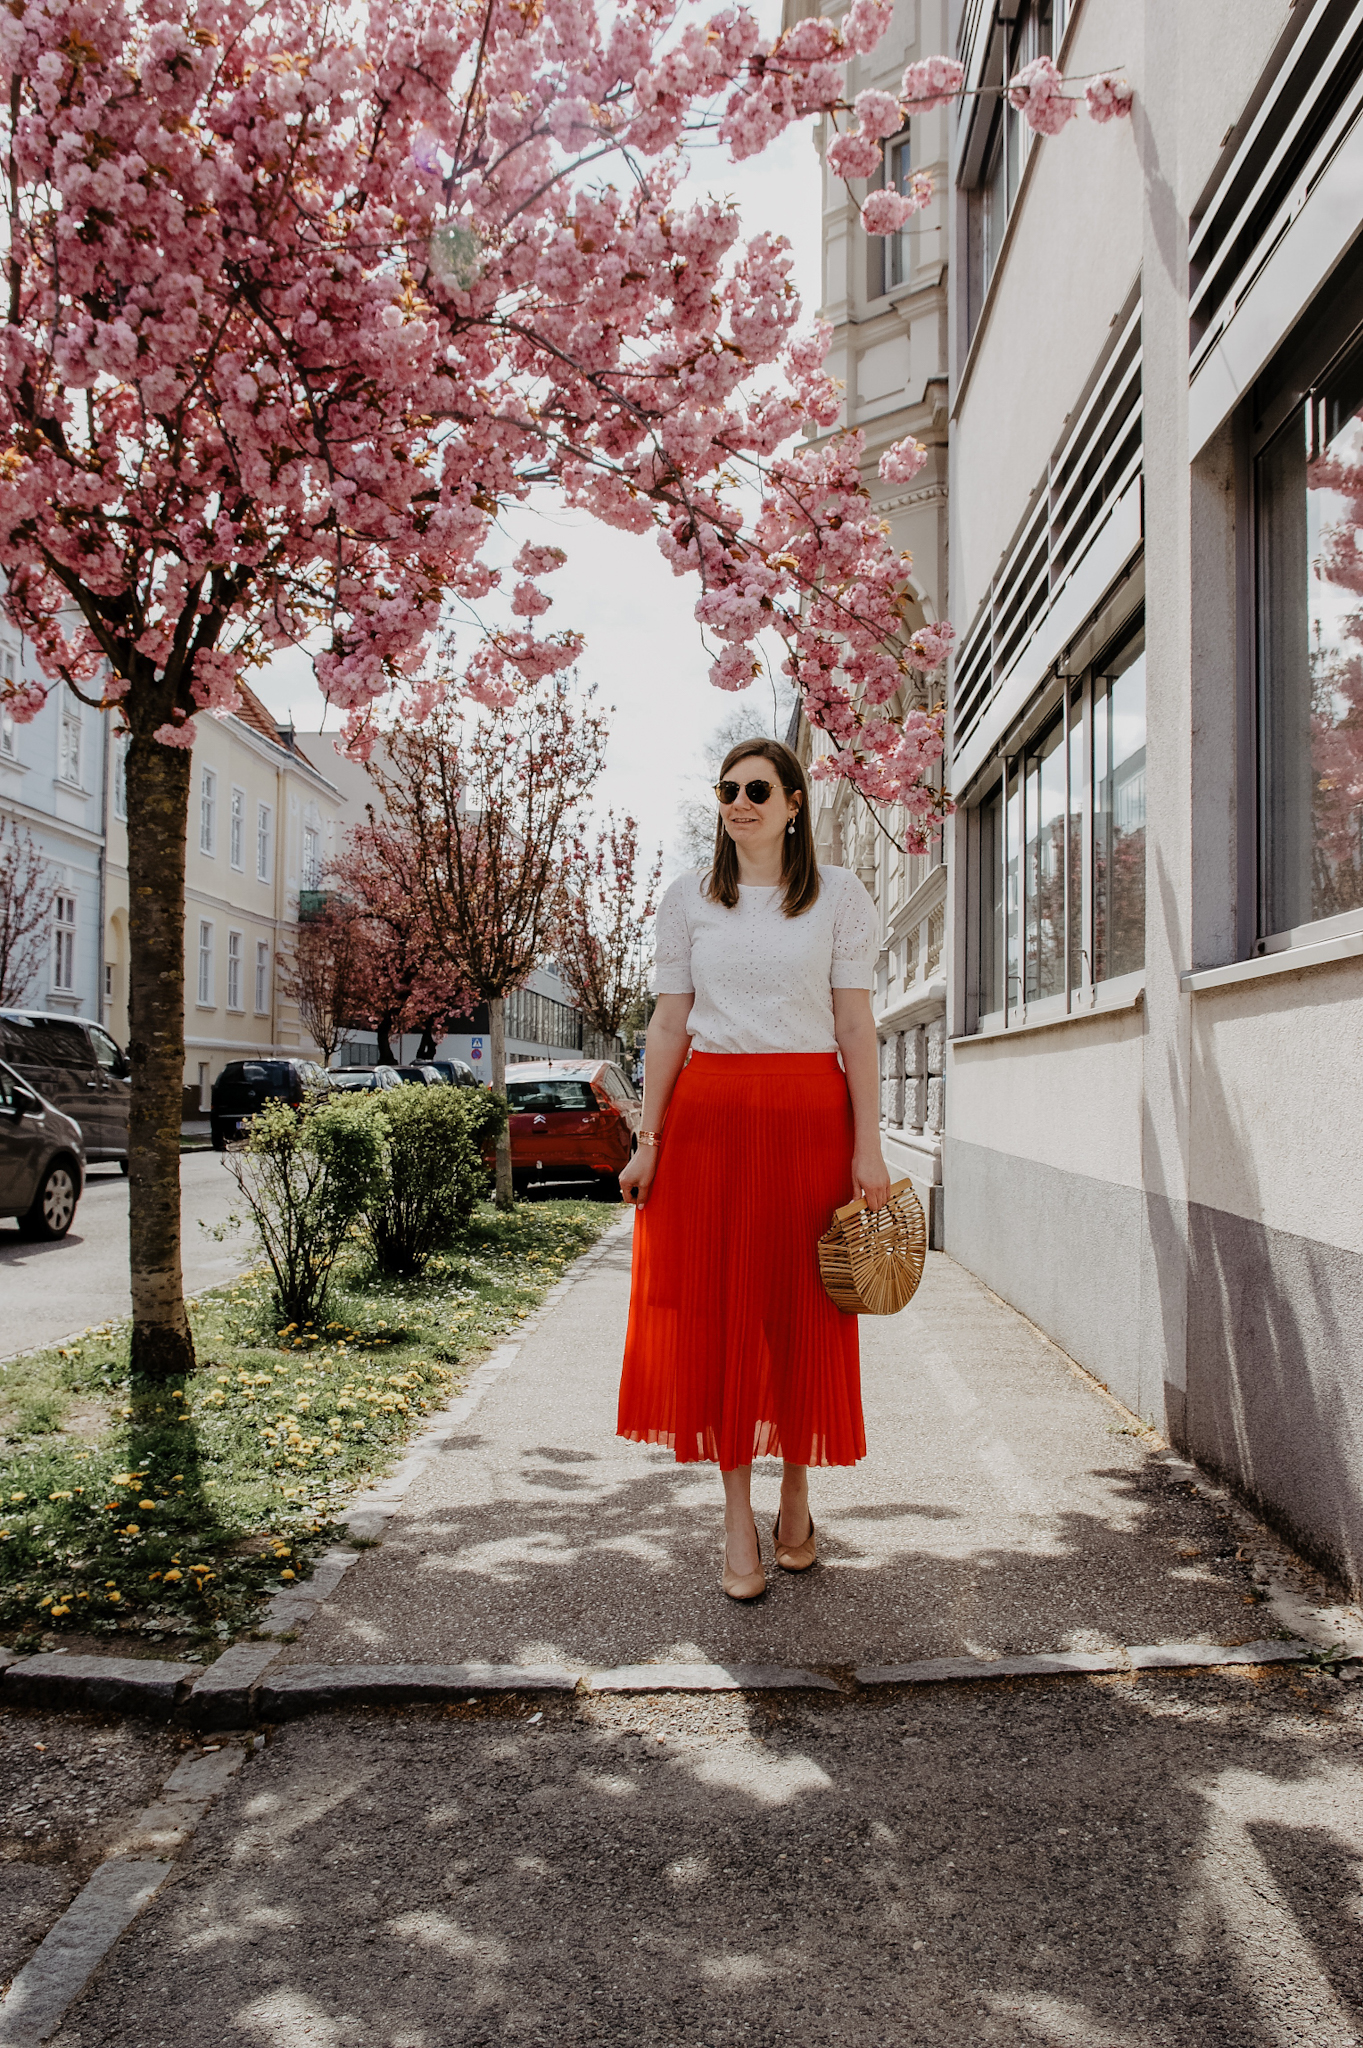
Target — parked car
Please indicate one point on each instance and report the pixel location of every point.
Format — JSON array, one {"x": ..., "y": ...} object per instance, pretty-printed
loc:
[
  {"x": 244, "y": 1086},
  {"x": 458, "y": 1072},
  {"x": 423, "y": 1074},
  {"x": 364, "y": 1079},
  {"x": 76, "y": 1067},
  {"x": 571, "y": 1120},
  {"x": 42, "y": 1159}
]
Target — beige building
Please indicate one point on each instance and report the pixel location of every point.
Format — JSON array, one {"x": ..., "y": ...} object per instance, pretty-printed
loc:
[
  {"x": 263, "y": 825},
  {"x": 886, "y": 298}
]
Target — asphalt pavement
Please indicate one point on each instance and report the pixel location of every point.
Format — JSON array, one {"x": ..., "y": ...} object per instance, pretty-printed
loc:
[
  {"x": 1003, "y": 1507},
  {"x": 52, "y": 1291},
  {"x": 1117, "y": 1863}
]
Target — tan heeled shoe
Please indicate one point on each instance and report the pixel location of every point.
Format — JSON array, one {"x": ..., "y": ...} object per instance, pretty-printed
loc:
[
  {"x": 744, "y": 1585},
  {"x": 794, "y": 1557}
]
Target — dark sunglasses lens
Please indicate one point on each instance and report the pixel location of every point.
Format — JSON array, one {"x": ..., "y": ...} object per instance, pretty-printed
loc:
[{"x": 756, "y": 792}]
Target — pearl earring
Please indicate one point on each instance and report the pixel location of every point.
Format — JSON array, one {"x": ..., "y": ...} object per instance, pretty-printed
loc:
[{"x": 790, "y": 829}]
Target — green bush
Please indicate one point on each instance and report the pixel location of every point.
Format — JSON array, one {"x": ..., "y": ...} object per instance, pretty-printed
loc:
[
  {"x": 433, "y": 1173},
  {"x": 305, "y": 1176},
  {"x": 487, "y": 1115}
]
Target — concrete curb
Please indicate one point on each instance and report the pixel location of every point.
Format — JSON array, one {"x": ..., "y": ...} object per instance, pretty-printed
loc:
[
  {"x": 107, "y": 1904},
  {"x": 304, "y": 1688},
  {"x": 1146, "y": 1657},
  {"x": 706, "y": 1678},
  {"x": 136, "y": 1685}
]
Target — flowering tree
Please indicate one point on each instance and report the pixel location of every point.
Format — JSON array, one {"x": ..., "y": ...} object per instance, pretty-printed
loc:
[
  {"x": 398, "y": 984},
  {"x": 27, "y": 887},
  {"x": 300, "y": 297},
  {"x": 486, "y": 804},
  {"x": 602, "y": 923},
  {"x": 321, "y": 975}
]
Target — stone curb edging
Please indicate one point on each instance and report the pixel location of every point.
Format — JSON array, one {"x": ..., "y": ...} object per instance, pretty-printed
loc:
[
  {"x": 248, "y": 1693},
  {"x": 107, "y": 1904}
]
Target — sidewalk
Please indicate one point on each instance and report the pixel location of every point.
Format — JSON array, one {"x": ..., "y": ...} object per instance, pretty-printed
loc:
[{"x": 1001, "y": 1509}]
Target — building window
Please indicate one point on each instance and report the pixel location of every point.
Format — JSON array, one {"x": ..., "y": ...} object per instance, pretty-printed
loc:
[
  {"x": 312, "y": 858},
  {"x": 68, "y": 750},
  {"x": 208, "y": 811},
  {"x": 891, "y": 257},
  {"x": 234, "y": 970},
  {"x": 236, "y": 830},
  {"x": 108, "y": 981},
  {"x": 205, "y": 996},
  {"x": 1006, "y": 142},
  {"x": 7, "y": 750},
  {"x": 121, "y": 775},
  {"x": 262, "y": 978},
  {"x": 1058, "y": 849},
  {"x": 1308, "y": 480},
  {"x": 63, "y": 942},
  {"x": 264, "y": 829}
]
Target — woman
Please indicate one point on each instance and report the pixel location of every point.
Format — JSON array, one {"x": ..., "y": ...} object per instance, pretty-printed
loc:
[{"x": 752, "y": 1135}]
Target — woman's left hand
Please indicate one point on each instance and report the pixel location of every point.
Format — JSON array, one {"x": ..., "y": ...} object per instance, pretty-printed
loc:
[{"x": 870, "y": 1176}]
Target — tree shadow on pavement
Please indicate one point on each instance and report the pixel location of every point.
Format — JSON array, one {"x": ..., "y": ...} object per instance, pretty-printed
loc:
[
  {"x": 600, "y": 1571},
  {"x": 1109, "y": 1863}
]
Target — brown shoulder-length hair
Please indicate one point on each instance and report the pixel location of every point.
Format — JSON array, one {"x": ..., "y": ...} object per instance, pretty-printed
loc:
[{"x": 799, "y": 868}]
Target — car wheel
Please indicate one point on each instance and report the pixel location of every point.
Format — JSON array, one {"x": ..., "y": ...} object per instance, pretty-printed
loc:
[
  {"x": 219, "y": 1139},
  {"x": 123, "y": 1166},
  {"x": 54, "y": 1206},
  {"x": 608, "y": 1188}
]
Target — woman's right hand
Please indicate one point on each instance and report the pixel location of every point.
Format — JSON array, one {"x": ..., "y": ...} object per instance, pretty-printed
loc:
[{"x": 636, "y": 1176}]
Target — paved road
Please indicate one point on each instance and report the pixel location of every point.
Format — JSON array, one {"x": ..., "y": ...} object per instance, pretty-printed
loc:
[
  {"x": 999, "y": 1510},
  {"x": 51, "y": 1291},
  {"x": 1124, "y": 1863}
]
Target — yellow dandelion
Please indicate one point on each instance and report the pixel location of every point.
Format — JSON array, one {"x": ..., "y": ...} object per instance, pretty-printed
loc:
[
  {"x": 288, "y": 1575},
  {"x": 60, "y": 1610},
  {"x": 149, "y": 1505},
  {"x": 115, "y": 1596},
  {"x": 170, "y": 1577}
]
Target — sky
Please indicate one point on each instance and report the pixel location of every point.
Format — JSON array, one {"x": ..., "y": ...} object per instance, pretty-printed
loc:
[{"x": 644, "y": 648}]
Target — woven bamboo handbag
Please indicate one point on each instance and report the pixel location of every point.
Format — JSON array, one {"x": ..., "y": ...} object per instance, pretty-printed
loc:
[{"x": 871, "y": 1261}]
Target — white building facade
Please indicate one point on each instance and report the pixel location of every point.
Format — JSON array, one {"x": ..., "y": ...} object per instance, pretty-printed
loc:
[{"x": 1154, "y": 1056}]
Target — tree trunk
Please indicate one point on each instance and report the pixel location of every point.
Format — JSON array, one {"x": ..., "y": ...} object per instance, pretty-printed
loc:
[
  {"x": 496, "y": 1018},
  {"x": 385, "y": 1043},
  {"x": 426, "y": 1049},
  {"x": 158, "y": 808}
]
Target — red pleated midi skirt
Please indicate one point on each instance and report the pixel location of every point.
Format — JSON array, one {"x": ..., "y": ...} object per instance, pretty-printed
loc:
[{"x": 734, "y": 1350}]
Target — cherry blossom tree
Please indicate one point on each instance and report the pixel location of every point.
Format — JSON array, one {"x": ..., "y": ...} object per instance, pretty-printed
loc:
[
  {"x": 27, "y": 889},
  {"x": 399, "y": 984},
  {"x": 603, "y": 922},
  {"x": 321, "y": 975},
  {"x": 487, "y": 804},
  {"x": 300, "y": 298}
]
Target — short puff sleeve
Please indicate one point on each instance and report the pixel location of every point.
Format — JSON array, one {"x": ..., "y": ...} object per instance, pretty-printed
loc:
[
  {"x": 856, "y": 937},
  {"x": 672, "y": 942}
]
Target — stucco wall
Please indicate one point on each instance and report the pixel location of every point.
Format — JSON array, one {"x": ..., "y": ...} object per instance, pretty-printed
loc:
[{"x": 1068, "y": 1098}]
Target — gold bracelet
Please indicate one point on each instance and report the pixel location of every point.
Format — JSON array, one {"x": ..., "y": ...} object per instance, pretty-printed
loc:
[{"x": 648, "y": 1138}]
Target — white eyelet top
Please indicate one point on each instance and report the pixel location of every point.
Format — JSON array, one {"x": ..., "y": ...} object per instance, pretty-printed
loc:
[{"x": 764, "y": 982}]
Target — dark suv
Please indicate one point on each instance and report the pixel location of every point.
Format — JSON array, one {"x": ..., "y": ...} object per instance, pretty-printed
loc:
[
  {"x": 42, "y": 1167},
  {"x": 75, "y": 1065},
  {"x": 244, "y": 1086}
]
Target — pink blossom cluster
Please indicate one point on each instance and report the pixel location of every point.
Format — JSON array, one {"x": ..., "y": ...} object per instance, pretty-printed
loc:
[
  {"x": 931, "y": 83},
  {"x": 1107, "y": 97},
  {"x": 1038, "y": 93},
  {"x": 902, "y": 461}
]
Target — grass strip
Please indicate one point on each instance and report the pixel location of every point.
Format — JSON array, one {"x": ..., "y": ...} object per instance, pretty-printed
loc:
[{"x": 130, "y": 1516}]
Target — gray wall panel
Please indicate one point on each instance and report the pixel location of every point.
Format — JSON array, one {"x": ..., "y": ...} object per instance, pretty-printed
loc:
[
  {"x": 1062, "y": 1247},
  {"x": 1275, "y": 1379}
]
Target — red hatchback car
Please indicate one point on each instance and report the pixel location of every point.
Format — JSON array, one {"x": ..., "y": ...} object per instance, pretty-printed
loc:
[{"x": 571, "y": 1120}]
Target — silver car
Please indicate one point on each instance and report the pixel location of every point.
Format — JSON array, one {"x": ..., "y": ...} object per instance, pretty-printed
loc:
[{"x": 42, "y": 1160}]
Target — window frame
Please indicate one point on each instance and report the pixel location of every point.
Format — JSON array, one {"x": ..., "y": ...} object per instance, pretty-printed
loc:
[
  {"x": 1067, "y": 701},
  {"x": 8, "y": 724},
  {"x": 262, "y": 978},
  {"x": 205, "y": 978},
  {"x": 236, "y": 829},
  {"x": 208, "y": 812},
  {"x": 64, "y": 929},
  {"x": 236, "y": 963},
  {"x": 1318, "y": 362},
  {"x": 70, "y": 742},
  {"x": 264, "y": 842},
  {"x": 120, "y": 776}
]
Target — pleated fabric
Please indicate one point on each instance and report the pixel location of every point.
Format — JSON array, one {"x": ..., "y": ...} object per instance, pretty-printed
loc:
[{"x": 734, "y": 1350}]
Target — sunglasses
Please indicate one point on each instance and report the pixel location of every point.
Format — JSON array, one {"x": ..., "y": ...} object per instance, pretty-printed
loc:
[{"x": 755, "y": 792}]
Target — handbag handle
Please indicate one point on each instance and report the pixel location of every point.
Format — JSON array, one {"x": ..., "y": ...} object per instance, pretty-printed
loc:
[{"x": 855, "y": 1208}]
